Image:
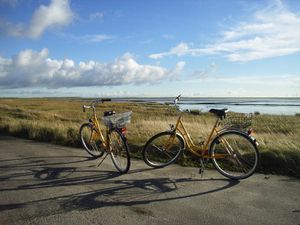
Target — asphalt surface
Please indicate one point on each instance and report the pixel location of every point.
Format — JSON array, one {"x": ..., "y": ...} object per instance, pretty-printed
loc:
[{"x": 42, "y": 183}]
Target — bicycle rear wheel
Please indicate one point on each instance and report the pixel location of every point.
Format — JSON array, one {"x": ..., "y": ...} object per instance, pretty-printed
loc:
[
  {"x": 119, "y": 151},
  {"x": 234, "y": 154},
  {"x": 163, "y": 149},
  {"x": 92, "y": 146}
]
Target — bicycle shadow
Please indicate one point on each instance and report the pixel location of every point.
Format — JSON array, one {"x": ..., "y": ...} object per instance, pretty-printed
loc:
[
  {"x": 38, "y": 161},
  {"x": 45, "y": 175},
  {"x": 121, "y": 192},
  {"x": 78, "y": 187},
  {"x": 137, "y": 192}
]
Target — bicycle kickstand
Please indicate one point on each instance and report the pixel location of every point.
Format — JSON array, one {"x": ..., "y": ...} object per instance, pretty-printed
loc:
[
  {"x": 202, "y": 167},
  {"x": 103, "y": 159}
]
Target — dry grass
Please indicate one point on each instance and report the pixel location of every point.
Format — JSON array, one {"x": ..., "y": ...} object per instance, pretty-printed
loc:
[{"x": 58, "y": 121}]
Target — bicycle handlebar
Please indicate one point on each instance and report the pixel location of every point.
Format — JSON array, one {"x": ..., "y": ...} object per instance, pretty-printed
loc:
[
  {"x": 177, "y": 99},
  {"x": 102, "y": 100},
  {"x": 175, "y": 102}
]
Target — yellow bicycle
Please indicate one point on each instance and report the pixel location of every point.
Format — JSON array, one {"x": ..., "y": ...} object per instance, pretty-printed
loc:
[
  {"x": 113, "y": 142},
  {"x": 233, "y": 151}
]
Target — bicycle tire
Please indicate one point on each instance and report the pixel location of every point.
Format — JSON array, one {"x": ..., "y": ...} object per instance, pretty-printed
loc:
[
  {"x": 155, "y": 156},
  {"x": 242, "y": 156},
  {"x": 119, "y": 151},
  {"x": 86, "y": 130}
]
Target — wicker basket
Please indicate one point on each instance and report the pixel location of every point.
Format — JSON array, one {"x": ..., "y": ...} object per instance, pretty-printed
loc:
[
  {"x": 238, "y": 121},
  {"x": 117, "y": 120}
]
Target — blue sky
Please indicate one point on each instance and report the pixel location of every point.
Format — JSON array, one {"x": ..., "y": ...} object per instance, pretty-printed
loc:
[{"x": 153, "y": 48}]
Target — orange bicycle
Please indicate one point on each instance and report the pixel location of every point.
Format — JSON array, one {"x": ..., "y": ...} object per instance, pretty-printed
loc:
[
  {"x": 113, "y": 142},
  {"x": 233, "y": 151}
]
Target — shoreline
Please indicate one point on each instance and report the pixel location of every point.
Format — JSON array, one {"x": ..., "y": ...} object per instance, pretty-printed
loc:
[{"x": 248, "y": 105}]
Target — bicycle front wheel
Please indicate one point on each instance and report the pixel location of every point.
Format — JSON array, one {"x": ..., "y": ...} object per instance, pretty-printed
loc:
[
  {"x": 234, "y": 154},
  {"x": 89, "y": 142},
  {"x": 119, "y": 151},
  {"x": 163, "y": 149}
]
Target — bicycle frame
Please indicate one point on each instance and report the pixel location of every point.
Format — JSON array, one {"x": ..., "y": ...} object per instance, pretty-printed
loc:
[
  {"x": 201, "y": 151},
  {"x": 231, "y": 149},
  {"x": 98, "y": 134}
]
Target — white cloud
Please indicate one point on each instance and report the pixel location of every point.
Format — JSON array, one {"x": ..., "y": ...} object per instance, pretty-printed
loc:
[
  {"x": 87, "y": 38},
  {"x": 95, "y": 38},
  {"x": 31, "y": 69},
  {"x": 57, "y": 14},
  {"x": 179, "y": 50},
  {"x": 274, "y": 31},
  {"x": 184, "y": 49},
  {"x": 208, "y": 72}
]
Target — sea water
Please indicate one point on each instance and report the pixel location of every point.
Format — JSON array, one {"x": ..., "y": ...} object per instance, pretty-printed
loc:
[{"x": 276, "y": 106}]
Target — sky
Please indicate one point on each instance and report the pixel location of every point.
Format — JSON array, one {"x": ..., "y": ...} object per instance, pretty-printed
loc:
[{"x": 134, "y": 48}]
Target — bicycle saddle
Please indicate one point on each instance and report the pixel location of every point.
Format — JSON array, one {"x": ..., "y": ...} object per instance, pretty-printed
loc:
[
  {"x": 221, "y": 113},
  {"x": 109, "y": 113}
]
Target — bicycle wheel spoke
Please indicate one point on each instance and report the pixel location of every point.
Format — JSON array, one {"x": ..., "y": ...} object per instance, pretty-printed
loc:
[
  {"x": 155, "y": 154},
  {"x": 167, "y": 153},
  {"x": 242, "y": 158},
  {"x": 119, "y": 151},
  {"x": 89, "y": 141}
]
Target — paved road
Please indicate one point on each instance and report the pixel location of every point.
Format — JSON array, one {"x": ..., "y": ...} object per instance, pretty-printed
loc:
[{"x": 49, "y": 184}]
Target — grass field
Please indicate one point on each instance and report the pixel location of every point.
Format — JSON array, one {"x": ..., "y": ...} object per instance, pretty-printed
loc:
[{"x": 58, "y": 121}]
